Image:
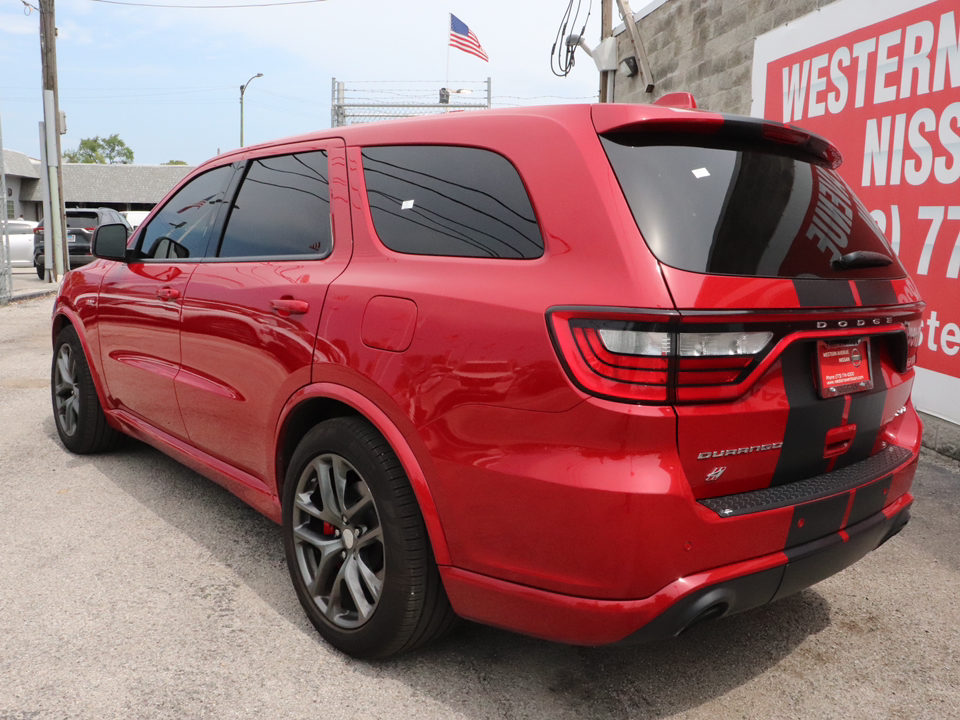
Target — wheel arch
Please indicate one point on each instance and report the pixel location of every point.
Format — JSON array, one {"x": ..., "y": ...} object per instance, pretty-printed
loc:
[
  {"x": 63, "y": 317},
  {"x": 322, "y": 401}
]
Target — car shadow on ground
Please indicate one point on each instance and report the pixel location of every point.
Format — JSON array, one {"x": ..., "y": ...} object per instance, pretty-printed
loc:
[{"x": 479, "y": 671}]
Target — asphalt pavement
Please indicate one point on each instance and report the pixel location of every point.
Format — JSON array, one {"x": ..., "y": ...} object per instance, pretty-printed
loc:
[{"x": 131, "y": 587}]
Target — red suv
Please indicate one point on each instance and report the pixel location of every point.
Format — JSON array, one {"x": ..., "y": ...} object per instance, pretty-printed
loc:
[{"x": 589, "y": 373}]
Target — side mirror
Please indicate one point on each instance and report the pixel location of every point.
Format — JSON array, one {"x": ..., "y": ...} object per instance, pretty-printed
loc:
[{"x": 110, "y": 241}]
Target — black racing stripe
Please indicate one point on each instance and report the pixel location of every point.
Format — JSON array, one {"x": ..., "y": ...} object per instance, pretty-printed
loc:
[
  {"x": 819, "y": 560},
  {"x": 809, "y": 418},
  {"x": 824, "y": 293},
  {"x": 869, "y": 500},
  {"x": 817, "y": 519},
  {"x": 866, "y": 412},
  {"x": 877, "y": 291}
]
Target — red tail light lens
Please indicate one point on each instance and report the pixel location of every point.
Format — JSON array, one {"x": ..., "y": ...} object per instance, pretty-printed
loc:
[
  {"x": 651, "y": 360},
  {"x": 598, "y": 364}
]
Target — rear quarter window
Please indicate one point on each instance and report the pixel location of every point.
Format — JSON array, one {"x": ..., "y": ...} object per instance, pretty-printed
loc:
[
  {"x": 451, "y": 201},
  {"x": 749, "y": 211}
]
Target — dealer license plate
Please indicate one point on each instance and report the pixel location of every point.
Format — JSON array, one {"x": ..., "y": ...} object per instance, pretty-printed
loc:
[
  {"x": 844, "y": 368},
  {"x": 71, "y": 237}
]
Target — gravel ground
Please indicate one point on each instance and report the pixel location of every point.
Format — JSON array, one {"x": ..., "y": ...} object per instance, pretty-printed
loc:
[{"x": 130, "y": 587}]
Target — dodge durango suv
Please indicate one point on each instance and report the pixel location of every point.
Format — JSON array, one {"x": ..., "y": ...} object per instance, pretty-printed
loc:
[{"x": 589, "y": 373}]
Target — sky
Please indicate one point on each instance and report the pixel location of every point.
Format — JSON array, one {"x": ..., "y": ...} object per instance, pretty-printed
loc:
[{"x": 167, "y": 81}]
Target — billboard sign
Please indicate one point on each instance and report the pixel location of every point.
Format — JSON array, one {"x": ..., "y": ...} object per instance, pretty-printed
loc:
[{"x": 881, "y": 79}]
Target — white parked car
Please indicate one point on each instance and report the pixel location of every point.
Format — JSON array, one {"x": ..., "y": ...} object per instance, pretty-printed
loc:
[{"x": 20, "y": 233}]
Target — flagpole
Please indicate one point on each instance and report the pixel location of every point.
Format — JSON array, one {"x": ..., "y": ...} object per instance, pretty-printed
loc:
[{"x": 449, "y": 25}]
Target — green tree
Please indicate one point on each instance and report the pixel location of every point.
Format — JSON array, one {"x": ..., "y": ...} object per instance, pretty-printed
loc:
[
  {"x": 174, "y": 162},
  {"x": 110, "y": 150}
]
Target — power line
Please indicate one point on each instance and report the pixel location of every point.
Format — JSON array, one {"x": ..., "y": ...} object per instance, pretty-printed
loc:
[
  {"x": 546, "y": 97},
  {"x": 285, "y": 111},
  {"x": 291, "y": 97},
  {"x": 125, "y": 91},
  {"x": 124, "y": 96},
  {"x": 561, "y": 54},
  {"x": 208, "y": 7}
]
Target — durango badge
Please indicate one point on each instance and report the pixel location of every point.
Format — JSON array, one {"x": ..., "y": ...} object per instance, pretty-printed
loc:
[{"x": 739, "y": 451}]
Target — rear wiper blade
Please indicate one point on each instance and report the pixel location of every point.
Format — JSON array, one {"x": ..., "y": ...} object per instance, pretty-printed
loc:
[{"x": 861, "y": 259}]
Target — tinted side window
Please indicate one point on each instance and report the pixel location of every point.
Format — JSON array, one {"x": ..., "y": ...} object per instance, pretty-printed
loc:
[
  {"x": 181, "y": 229},
  {"x": 439, "y": 200},
  {"x": 283, "y": 208}
]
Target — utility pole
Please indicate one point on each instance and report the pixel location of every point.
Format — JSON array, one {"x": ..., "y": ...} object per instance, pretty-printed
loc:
[
  {"x": 54, "y": 224},
  {"x": 606, "y": 30}
]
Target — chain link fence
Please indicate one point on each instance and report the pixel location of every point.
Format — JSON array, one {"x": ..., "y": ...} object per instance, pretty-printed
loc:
[
  {"x": 6, "y": 273},
  {"x": 373, "y": 101},
  {"x": 6, "y": 269}
]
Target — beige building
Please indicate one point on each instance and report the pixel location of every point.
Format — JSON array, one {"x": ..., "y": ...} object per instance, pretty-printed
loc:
[{"x": 121, "y": 187}]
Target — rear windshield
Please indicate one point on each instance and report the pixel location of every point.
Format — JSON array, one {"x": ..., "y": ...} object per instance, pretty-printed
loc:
[
  {"x": 731, "y": 209},
  {"x": 81, "y": 220}
]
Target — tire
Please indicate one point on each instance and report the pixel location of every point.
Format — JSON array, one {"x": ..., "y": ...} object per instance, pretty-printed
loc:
[
  {"x": 41, "y": 271},
  {"x": 356, "y": 544},
  {"x": 80, "y": 421}
]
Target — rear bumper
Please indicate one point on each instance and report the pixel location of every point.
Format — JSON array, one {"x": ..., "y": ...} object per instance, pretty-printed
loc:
[
  {"x": 715, "y": 593},
  {"x": 78, "y": 257}
]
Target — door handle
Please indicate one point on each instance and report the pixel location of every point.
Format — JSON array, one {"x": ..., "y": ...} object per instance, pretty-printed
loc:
[
  {"x": 168, "y": 293},
  {"x": 288, "y": 306}
]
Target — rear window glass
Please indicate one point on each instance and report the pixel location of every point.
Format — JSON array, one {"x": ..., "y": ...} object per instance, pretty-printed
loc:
[
  {"x": 81, "y": 220},
  {"x": 747, "y": 211},
  {"x": 455, "y": 201}
]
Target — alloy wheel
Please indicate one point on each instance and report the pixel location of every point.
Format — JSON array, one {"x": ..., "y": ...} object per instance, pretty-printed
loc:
[
  {"x": 338, "y": 541},
  {"x": 66, "y": 391}
]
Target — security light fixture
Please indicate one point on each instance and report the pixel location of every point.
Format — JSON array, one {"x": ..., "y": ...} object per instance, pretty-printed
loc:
[{"x": 629, "y": 66}]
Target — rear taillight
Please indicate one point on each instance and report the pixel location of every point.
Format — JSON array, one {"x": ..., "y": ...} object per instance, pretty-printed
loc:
[
  {"x": 652, "y": 359},
  {"x": 914, "y": 330},
  {"x": 619, "y": 359},
  {"x": 90, "y": 229}
]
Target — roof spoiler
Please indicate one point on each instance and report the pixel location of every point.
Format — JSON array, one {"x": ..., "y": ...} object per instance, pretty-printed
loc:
[{"x": 649, "y": 120}]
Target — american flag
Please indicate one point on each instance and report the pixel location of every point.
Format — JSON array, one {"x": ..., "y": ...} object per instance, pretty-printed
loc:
[{"x": 462, "y": 38}]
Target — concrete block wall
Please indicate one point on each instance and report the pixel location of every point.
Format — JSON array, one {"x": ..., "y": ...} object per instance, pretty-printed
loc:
[
  {"x": 940, "y": 435},
  {"x": 706, "y": 47}
]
